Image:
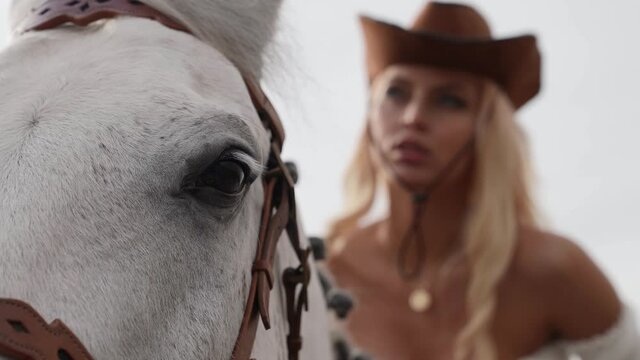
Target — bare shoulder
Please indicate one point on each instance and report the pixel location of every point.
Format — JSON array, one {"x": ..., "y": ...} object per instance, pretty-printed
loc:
[
  {"x": 579, "y": 299},
  {"x": 544, "y": 256}
]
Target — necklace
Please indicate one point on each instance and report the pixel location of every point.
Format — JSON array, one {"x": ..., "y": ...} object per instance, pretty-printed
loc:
[
  {"x": 421, "y": 297},
  {"x": 420, "y": 300}
]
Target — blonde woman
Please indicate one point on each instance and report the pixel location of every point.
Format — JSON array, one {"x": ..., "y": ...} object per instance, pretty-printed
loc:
[{"x": 459, "y": 268}]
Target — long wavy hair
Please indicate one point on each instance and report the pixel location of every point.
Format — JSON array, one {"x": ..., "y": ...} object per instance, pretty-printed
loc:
[{"x": 500, "y": 201}]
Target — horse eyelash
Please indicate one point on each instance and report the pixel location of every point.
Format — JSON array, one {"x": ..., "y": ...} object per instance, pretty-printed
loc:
[{"x": 255, "y": 168}]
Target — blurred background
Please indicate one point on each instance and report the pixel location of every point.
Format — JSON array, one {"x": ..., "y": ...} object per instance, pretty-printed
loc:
[{"x": 583, "y": 127}]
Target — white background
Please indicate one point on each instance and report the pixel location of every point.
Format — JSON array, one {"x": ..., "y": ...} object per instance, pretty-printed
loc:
[{"x": 584, "y": 126}]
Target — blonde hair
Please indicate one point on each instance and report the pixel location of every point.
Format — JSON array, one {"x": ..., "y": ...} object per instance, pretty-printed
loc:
[{"x": 500, "y": 201}]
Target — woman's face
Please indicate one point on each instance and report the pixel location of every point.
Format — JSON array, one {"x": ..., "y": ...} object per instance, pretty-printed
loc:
[{"x": 421, "y": 118}]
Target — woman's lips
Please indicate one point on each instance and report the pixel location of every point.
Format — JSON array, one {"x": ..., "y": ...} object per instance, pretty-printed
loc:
[{"x": 410, "y": 153}]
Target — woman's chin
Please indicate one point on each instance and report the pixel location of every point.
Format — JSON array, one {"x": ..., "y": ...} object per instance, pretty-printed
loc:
[{"x": 413, "y": 179}]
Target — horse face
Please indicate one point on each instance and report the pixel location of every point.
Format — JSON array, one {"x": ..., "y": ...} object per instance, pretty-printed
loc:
[{"x": 113, "y": 215}]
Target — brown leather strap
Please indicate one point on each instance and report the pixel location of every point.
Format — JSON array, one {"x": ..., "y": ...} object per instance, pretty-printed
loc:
[
  {"x": 279, "y": 214},
  {"x": 267, "y": 113},
  {"x": 54, "y": 13},
  {"x": 279, "y": 210},
  {"x": 24, "y": 335}
]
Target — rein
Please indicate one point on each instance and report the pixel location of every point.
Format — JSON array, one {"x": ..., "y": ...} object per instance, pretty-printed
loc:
[{"x": 24, "y": 334}]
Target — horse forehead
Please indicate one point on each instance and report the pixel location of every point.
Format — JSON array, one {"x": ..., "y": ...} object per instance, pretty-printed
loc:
[
  {"x": 151, "y": 58},
  {"x": 129, "y": 64}
]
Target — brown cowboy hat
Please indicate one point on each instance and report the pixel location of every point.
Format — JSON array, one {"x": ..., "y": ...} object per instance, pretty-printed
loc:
[{"x": 457, "y": 37}]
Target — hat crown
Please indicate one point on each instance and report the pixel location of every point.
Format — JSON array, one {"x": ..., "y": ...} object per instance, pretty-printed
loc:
[{"x": 453, "y": 20}]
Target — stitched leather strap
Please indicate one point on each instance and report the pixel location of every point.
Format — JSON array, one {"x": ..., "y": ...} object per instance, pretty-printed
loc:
[
  {"x": 53, "y": 13},
  {"x": 24, "y": 335}
]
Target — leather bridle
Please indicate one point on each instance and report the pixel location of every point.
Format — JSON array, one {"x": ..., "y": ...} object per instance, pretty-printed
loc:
[{"x": 23, "y": 332}]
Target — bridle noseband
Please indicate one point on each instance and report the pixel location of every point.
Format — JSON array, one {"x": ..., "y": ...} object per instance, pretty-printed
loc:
[{"x": 23, "y": 332}]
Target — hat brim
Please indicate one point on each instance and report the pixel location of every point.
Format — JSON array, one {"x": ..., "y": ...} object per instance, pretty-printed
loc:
[{"x": 513, "y": 63}]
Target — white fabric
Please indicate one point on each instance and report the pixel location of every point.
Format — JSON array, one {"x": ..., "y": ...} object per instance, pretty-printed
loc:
[{"x": 620, "y": 342}]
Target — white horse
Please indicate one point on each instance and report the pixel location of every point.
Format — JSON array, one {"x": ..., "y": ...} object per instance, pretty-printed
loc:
[{"x": 100, "y": 130}]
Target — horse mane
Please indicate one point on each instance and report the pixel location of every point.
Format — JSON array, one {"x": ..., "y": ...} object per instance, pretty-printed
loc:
[{"x": 241, "y": 29}]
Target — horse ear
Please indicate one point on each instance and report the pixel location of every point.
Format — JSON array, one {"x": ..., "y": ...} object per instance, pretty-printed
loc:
[{"x": 240, "y": 29}]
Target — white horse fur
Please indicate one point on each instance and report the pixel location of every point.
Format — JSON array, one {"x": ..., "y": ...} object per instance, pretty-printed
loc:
[{"x": 98, "y": 128}]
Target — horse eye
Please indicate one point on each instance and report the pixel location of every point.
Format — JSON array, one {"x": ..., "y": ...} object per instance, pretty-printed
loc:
[{"x": 227, "y": 176}]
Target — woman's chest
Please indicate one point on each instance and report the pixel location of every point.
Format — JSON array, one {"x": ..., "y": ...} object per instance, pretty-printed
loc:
[{"x": 385, "y": 323}]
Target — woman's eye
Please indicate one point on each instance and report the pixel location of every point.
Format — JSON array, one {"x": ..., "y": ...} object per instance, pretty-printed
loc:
[
  {"x": 227, "y": 176},
  {"x": 396, "y": 92},
  {"x": 452, "y": 101}
]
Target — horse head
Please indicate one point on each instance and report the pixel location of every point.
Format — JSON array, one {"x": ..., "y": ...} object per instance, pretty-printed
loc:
[{"x": 130, "y": 159}]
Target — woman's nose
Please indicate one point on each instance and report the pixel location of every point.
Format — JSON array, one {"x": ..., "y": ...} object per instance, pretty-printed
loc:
[{"x": 416, "y": 116}]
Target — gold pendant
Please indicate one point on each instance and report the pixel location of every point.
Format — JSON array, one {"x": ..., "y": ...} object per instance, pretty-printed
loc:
[{"x": 420, "y": 300}]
